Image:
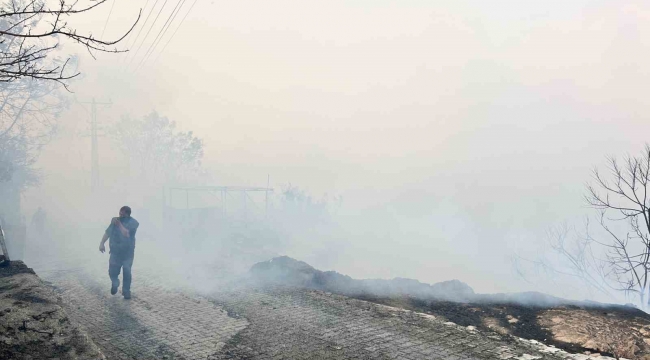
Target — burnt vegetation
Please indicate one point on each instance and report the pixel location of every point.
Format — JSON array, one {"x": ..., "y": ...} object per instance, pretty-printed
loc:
[{"x": 574, "y": 326}]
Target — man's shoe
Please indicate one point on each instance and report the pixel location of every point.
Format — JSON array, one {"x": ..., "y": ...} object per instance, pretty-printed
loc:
[
  {"x": 127, "y": 295},
  {"x": 114, "y": 287}
]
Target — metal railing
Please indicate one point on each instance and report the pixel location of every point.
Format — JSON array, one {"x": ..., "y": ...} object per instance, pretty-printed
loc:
[{"x": 3, "y": 244}]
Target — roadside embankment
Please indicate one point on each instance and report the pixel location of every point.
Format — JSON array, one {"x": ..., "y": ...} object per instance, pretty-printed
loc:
[
  {"x": 33, "y": 325},
  {"x": 574, "y": 326}
]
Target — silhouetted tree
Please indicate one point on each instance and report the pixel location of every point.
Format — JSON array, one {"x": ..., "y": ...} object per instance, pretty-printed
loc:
[
  {"x": 29, "y": 110},
  {"x": 156, "y": 150}
]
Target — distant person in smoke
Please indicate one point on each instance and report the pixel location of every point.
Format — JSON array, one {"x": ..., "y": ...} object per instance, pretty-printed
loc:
[
  {"x": 121, "y": 233},
  {"x": 38, "y": 220}
]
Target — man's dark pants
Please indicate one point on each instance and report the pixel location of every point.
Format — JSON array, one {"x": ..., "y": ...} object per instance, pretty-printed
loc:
[{"x": 121, "y": 260}]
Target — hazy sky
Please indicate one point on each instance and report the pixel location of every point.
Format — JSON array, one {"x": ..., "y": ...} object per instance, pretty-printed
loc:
[{"x": 456, "y": 131}]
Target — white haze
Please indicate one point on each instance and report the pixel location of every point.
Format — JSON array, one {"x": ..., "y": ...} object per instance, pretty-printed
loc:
[{"x": 456, "y": 133}]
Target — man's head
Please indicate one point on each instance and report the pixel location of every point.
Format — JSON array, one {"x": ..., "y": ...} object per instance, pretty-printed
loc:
[{"x": 125, "y": 212}]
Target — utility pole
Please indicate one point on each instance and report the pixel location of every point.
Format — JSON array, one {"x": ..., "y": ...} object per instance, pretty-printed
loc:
[{"x": 94, "y": 143}]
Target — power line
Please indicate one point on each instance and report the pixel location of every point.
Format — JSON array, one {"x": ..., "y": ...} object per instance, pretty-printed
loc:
[
  {"x": 175, "y": 31},
  {"x": 129, "y": 36},
  {"x": 147, "y": 34},
  {"x": 142, "y": 27},
  {"x": 109, "y": 16},
  {"x": 161, "y": 33}
]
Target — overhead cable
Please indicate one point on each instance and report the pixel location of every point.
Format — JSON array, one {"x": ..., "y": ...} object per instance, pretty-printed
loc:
[
  {"x": 161, "y": 33},
  {"x": 142, "y": 27},
  {"x": 109, "y": 16},
  {"x": 175, "y": 31},
  {"x": 147, "y": 34}
]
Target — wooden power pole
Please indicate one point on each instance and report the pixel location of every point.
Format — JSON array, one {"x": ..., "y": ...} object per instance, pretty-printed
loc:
[{"x": 94, "y": 143}]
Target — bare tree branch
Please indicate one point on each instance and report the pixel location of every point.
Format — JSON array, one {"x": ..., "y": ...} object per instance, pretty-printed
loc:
[
  {"x": 27, "y": 57},
  {"x": 618, "y": 258},
  {"x": 628, "y": 257}
]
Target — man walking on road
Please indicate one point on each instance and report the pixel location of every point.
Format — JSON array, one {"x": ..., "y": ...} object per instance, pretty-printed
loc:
[{"x": 121, "y": 233}]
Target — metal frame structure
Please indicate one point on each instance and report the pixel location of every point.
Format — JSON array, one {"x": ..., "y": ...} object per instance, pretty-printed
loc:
[
  {"x": 223, "y": 191},
  {"x": 3, "y": 245}
]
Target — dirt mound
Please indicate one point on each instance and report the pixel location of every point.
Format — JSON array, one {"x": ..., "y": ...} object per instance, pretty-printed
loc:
[
  {"x": 32, "y": 323},
  {"x": 288, "y": 271}
]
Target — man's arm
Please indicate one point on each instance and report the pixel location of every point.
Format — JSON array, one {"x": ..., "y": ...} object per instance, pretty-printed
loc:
[
  {"x": 102, "y": 248},
  {"x": 107, "y": 234},
  {"x": 124, "y": 231}
]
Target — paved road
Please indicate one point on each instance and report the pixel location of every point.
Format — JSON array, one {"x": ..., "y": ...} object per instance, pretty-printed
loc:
[{"x": 254, "y": 322}]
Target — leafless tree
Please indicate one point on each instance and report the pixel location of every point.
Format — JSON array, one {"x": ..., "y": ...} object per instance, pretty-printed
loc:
[
  {"x": 622, "y": 199},
  {"x": 614, "y": 256},
  {"x": 29, "y": 33},
  {"x": 572, "y": 255},
  {"x": 28, "y": 113},
  {"x": 32, "y": 68}
]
